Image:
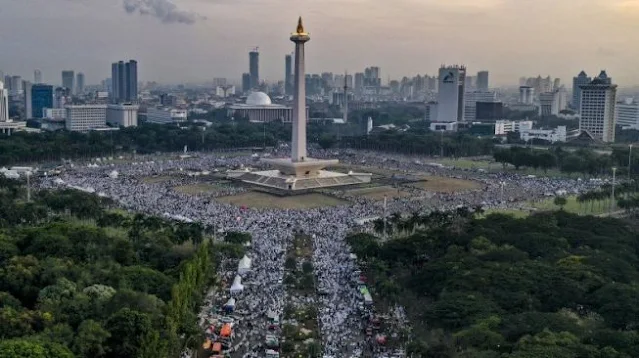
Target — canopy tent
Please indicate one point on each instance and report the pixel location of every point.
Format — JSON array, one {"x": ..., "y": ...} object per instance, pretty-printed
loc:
[
  {"x": 114, "y": 174},
  {"x": 244, "y": 266},
  {"x": 237, "y": 287},
  {"x": 226, "y": 330}
]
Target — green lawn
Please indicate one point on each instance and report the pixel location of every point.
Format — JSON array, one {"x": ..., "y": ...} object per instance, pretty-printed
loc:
[
  {"x": 572, "y": 206},
  {"x": 492, "y": 166}
]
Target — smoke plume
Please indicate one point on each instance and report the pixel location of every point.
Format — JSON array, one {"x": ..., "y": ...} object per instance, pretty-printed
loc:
[{"x": 164, "y": 10}]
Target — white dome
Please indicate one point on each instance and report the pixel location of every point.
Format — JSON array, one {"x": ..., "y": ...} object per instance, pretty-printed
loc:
[{"x": 258, "y": 99}]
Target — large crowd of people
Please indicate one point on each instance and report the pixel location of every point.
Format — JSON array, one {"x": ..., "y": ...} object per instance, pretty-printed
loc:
[{"x": 339, "y": 311}]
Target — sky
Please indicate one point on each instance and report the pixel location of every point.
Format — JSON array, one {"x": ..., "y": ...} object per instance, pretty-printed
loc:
[{"x": 179, "y": 41}]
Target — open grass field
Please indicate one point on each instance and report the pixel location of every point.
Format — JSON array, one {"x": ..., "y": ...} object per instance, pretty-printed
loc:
[
  {"x": 445, "y": 185},
  {"x": 199, "y": 188},
  {"x": 259, "y": 200},
  {"x": 378, "y": 193}
]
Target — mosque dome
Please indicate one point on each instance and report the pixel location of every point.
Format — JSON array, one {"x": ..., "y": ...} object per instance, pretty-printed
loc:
[{"x": 258, "y": 99}]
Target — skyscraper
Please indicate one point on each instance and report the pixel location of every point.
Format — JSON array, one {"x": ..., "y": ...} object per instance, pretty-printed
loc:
[
  {"x": 288, "y": 68},
  {"x": 246, "y": 82},
  {"x": 597, "y": 108},
  {"x": 68, "y": 79},
  {"x": 254, "y": 68},
  {"x": 482, "y": 81},
  {"x": 124, "y": 82},
  {"x": 577, "y": 82},
  {"x": 4, "y": 103},
  {"x": 79, "y": 89},
  {"x": 41, "y": 98},
  {"x": 28, "y": 112},
  {"x": 37, "y": 76},
  {"x": 451, "y": 103},
  {"x": 16, "y": 85}
]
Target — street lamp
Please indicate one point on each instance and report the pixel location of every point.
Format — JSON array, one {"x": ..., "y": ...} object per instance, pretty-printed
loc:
[
  {"x": 629, "y": 160},
  {"x": 502, "y": 183},
  {"x": 612, "y": 192}
]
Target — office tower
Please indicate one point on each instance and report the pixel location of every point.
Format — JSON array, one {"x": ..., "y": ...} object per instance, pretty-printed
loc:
[
  {"x": 122, "y": 115},
  {"x": 79, "y": 83},
  {"x": 28, "y": 105},
  {"x": 482, "y": 81},
  {"x": 372, "y": 77},
  {"x": 115, "y": 94},
  {"x": 471, "y": 99},
  {"x": 359, "y": 81},
  {"x": 254, "y": 68},
  {"x": 131, "y": 88},
  {"x": 556, "y": 83},
  {"x": 83, "y": 118},
  {"x": 4, "y": 103},
  {"x": 451, "y": 103},
  {"x": 288, "y": 80},
  {"x": 7, "y": 82},
  {"x": 526, "y": 95},
  {"x": 552, "y": 103},
  {"x": 68, "y": 79},
  {"x": 16, "y": 85},
  {"x": 37, "y": 76},
  {"x": 41, "y": 98},
  {"x": 604, "y": 77},
  {"x": 597, "y": 109},
  {"x": 345, "y": 109},
  {"x": 124, "y": 82},
  {"x": 246, "y": 82},
  {"x": 1, "y": 76},
  {"x": 627, "y": 114},
  {"x": 577, "y": 82}
]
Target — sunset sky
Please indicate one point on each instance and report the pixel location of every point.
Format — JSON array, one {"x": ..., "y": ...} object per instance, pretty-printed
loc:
[{"x": 196, "y": 40}]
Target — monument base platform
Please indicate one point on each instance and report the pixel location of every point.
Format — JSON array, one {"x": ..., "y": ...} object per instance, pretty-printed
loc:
[{"x": 293, "y": 176}]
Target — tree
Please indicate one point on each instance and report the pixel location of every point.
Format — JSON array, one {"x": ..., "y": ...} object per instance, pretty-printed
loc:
[
  {"x": 127, "y": 329},
  {"x": 90, "y": 340},
  {"x": 22, "y": 348},
  {"x": 560, "y": 201}
]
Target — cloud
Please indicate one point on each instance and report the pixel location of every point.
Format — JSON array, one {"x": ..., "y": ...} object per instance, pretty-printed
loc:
[{"x": 164, "y": 10}]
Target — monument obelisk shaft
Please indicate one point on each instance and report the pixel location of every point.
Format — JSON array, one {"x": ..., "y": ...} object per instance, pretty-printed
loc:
[{"x": 298, "y": 150}]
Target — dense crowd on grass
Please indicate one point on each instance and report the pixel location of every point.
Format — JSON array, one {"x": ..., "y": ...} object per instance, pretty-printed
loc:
[
  {"x": 78, "y": 279},
  {"x": 549, "y": 285}
]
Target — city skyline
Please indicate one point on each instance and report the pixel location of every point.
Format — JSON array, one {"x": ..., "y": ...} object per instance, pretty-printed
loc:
[{"x": 406, "y": 38}]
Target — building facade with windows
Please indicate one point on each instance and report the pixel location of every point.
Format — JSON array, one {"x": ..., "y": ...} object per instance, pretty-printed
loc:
[
  {"x": 84, "y": 118},
  {"x": 597, "y": 109}
]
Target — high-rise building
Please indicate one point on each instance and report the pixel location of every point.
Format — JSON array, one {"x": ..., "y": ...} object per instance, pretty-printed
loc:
[
  {"x": 556, "y": 83},
  {"x": 246, "y": 82},
  {"x": 68, "y": 81},
  {"x": 597, "y": 109},
  {"x": 482, "y": 81},
  {"x": 83, "y": 118},
  {"x": 79, "y": 83},
  {"x": 551, "y": 103},
  {"x": 254, "y": 68},
  {"x": 526, "y": 95},
  {"x": 7, "y": 82},
  {"x": 471, "y": 99},
  {"x": 122, "y": 115},
  {"x": 28, "y": 104},
  {"x": 37, "y": 76},
  {"x": 359, "y": 81},
  {"x": 604, "y": 77},
  {"x": 451, "y": 94},
  {"x": 41, "y": 98},
  {"x": 288, "y": 69},
  {"x": 16, "y": 85},
  {"x": 124, "y": 82},
  {"x": 577, "y": 82},
  {"x": 627, "y": 114},
  {"x": 4, "y": 103}
]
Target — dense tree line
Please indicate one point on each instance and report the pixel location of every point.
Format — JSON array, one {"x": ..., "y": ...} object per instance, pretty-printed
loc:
[
  {"x": 549, "y": 285},
  {"x": 423, "y": 142},
  {"x": 78, "y": 279},
  {"x": 583, "y": 161}
]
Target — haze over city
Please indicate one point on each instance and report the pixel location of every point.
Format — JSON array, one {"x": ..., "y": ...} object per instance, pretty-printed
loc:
[{"x": 196, "y": 40}]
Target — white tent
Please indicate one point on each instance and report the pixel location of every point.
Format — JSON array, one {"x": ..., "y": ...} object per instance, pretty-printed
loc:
[
  {"x": 230, "y": 304},
  {"x": 244, "y": 266},
  {"x": 237, "y": 287},
  {"x": 114, "y": 174}
]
